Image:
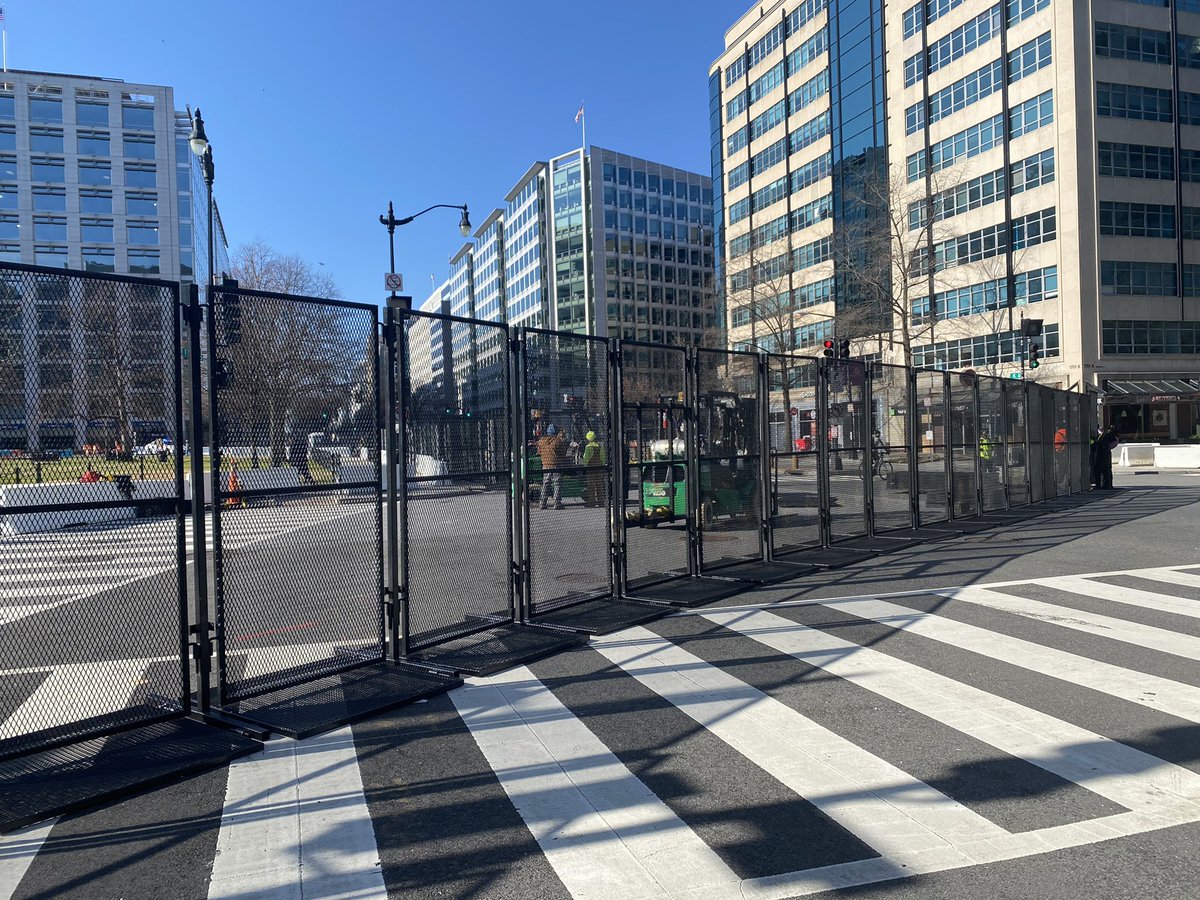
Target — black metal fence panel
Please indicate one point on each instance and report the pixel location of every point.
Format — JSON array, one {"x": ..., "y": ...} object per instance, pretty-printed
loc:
[
  {"x": 849, "y": 456},
  {"x": 964, "y": 445},
  {"x": 1063, "y": 435},
  {"x": 1037, "y": 452},
  {"x": 796, "y": 430},
  {"x": 728, "y": 428},
  {"x": 992, "y": 448},
  {"x": 656, "y": 422},
  {"x": 92, "y": 542},
  {"x": 1075, "y": 434},
  {"x": 891, "y": 447},
  {"x": 1016, "y": 452},
  {"x": 933, "y": 431},
  {"x": 567, "y": 464},
  {"x": 296, "y": 526},
  {"x": 456, "y": 527},
  {"x": 1048, "y": 410}
]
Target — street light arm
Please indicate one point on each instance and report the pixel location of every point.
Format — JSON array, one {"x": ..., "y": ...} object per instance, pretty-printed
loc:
[{"x": 408, "y": 219}]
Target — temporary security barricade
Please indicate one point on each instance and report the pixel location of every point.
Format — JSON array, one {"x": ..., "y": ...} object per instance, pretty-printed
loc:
[
  {"x": 964, "y": 445},
  {"x": 993, "y": 450},
  {"x": 1034, "y": 440},
  {"x": 297, "y": 543},
  {"x": 1046, "y": 434},
  {"x": 892, "y": 434},
  {"x": 933, "y": 447},
  {"x": 1064, "y": 432},
  {"x": 1016, "y": 444},
  {"x": 848, "y": 455},
  {"x": 94, "y": 642},
  {"x": 460, "y": 567},
  {"x": 796, "y": 489}
]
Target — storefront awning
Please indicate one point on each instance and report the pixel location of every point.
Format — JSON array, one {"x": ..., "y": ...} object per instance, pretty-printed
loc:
[{"x": 1158, "y": 391}]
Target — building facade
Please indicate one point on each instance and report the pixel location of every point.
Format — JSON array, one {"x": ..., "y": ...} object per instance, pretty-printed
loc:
[{"x": 598, "y": 243}]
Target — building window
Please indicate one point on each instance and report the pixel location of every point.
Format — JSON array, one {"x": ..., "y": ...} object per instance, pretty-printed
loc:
[
  {"x": 958, "y": 43},
  {"x": 1028, "y": 58},
  {"x": 1020, "y": 10},
  {"x": 138, "y": 146},
  {"x": 137, "y": 117},
  {"x": 8, "y": 106},
  {"x": 1139, "y": 44},
  {"x": 89, "y": 112},
  {"x": 95, "y": 172},
  {"x": 99, "y": 259},
  {"x": 49, "y": 228},
  {"x": 1031, "y": 115},
  {"x": 1136, "y": 161},
  {"x": 1188, "y": 50},
  {"x": 10, "y": 227},
  {"x": 1189, "y": 108},
  {"x": 1151, "y": 220},
  {"x": 49, "y": 170},
  {"x": 143, "y": 262},
  {"x": 141, "y": 204},
  {"x": 141, "y": 175},
  {"x": 97, "y": 230},
  {"x": 8, "y": 196},
  {"x": 45, "y": 110},
  {"x": 142, "y": 233},
  {"x": 10, "y": 253},
  {"x": 983, "y": 350},
  {"x": 1036, "y": 170},
  {"x": 1137, "y": 337},
  {"x": 1189, "y": 223},
  {"x": 46, "y": 140},
  {"x": 93, "y": 201},
  {"x": 1133, "y": 101},
  {"x": 8, "y": 138},
  {"x": 1033, "y": 229},
  {"x": 1137, "y": 279},
  {"x": 93, "y": 143},
  {"x": 49, "y": 199}
]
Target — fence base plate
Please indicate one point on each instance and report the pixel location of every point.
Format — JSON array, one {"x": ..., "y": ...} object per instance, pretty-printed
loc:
[
  {"x": 498, "y": 648},
  {"x": 758, "y": 571},
  {"x": 92, "y": 772},
  {"x": 830, "y": 557},
  {"x": 687, "y": 591},
  {"x": 603, "y": 615},
  {"x": 335, "y": 700},
  {"x": 877, "y": 544}
]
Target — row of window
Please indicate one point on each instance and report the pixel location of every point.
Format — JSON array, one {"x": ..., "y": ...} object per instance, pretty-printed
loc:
[
  {"x": 1132, "y": 336},
  {"x": 974, "y": 33},
  {"x": 1024, "y": 175},
  {"x": 764, "y": 84},
  {"x": 94, "y": 259},
  {"x": 1149, "y": 104},
  {"x": 929, "y": 11},
  {"x": 87, "y": 112},
  {"x": 983, "y": 350},
  {"x": 797, "y": 100},
  {"x": 89, "y": 143},
  {"x": 1025, "y": 117},
  {"x": 54, "y": 199},
  {"x": 1146, "y": 161},
  {"x": 808, "y": 174},
  {"x": 974, "y": 299},
  {"x": 89, "y": 172},
  {"x": 1138, "y": 278},
  {"x": 797, "y": 19},
  {"x": 1024, "y": 231},
  {"x": 1147, "y": 45},
  {"x": 54, "y": 228},
  {"x": 668, "y": 187},
  {"x": 804, "y": 257},
  {"x": 983, "y": 82},
  {"x": 797, "y": 220}
]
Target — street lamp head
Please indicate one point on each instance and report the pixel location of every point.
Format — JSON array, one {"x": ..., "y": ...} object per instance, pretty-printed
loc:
[
  {"x": 464, "y": 226},
  {"x": 198, "y": 139}
]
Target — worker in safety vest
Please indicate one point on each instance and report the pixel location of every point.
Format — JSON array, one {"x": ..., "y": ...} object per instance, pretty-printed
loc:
[
  {"x": 594, "y": 461},
  {"x": 985, "y": 452}
]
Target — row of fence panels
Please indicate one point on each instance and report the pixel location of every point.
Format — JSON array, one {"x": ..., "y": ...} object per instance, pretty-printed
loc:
[{"x": 354, "y": 489}]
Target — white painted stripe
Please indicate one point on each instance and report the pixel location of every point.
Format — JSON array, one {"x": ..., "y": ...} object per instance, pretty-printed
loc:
[
  {"x": 10, "y": 614},
  {"x": 1130, "y": 596},
  {"x": 296, "y": 825},
  {"x": 1170, "y": 576},
  {"x": 17, "y": 851},
  {"x": 606, "y": 835},
  {"x": 75, "y": 692},
  {"x": 1091, "y": 623},
  {"x": 1151, "y": 691},
  {"x": 1136, "y": 780},
  {"x": 901, "y": 817}
]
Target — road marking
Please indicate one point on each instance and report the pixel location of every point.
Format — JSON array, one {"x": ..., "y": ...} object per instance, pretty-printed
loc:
[
  {"x": 10, "y": 614},
  {"x": 17, "y": 851},
  {"x": 1144, "y": 636},
  {"x": 1170, "y": 576},
  {"x": 899, "y": 816},
  {"x": 1129, "y": 596},
  {"x": 605, "y": 834},
  {"x": 1136, "y": 780},
  {"x": 1152, "y": 691},
  {"x": 75, "y": 692},
  {"x": 296, "y": 824}
]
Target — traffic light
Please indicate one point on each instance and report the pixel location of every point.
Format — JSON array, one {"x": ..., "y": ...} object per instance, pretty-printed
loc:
[
  {"x": 828, "y": 352},
  {"x": 844, "y": 349},
  {"x": 1034, "y": 354}
]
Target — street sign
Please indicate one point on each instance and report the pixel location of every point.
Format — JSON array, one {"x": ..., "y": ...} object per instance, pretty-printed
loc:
[
  {"x": 393, "y": 281},
  {"x": 1014, "y": 375}
]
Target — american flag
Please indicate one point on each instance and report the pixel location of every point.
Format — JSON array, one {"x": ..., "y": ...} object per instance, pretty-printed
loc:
[
  {"x": 1, "y": 13},
  {"x": 578, "y": 115}
]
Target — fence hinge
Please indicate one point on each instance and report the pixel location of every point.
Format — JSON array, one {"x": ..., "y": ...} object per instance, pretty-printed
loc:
[{"x": 198, "y": 647}]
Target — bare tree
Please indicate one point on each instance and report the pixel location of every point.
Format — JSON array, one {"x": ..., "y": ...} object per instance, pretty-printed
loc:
[{"x": 259, "y": 266}]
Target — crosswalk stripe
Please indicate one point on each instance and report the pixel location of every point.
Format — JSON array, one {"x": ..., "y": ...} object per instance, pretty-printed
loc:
[
  {"x": 1169, "y": 576},
  {"x": 75, "y": 692},
  {"x": 1145, "y": 636},
  {"x": 602, "y": 830},
  {"x": 1136, "y": 780},
  {"x": 1130, "y": 596},
  {"x": 897, "y": 815},
  {"x": 296, "y": 824},
  {"x": 17, "y": 851},
  {"x": 1151, "y": 691}
]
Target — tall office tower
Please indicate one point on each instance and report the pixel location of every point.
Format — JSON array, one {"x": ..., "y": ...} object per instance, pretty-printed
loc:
[
  {"x": 95, "y": 174},
  {"x": 597, "y": 243},
  {"x": 797, "y": 113}
]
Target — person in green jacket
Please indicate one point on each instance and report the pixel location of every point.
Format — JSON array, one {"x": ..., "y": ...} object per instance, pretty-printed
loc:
[
  {"x": 594, "y": 461},
  {"x": 985, "y": 452}
]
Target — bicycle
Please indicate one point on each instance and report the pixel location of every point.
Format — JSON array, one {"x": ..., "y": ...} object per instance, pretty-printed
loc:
[{"x": 881, "y": 467}]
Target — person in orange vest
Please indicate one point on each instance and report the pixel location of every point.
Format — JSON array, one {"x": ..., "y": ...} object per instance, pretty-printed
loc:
[
  {"x": 233, "y": 487},
  {"x": 1060, "y": 440},
  {"x": 90, "y": 475}
]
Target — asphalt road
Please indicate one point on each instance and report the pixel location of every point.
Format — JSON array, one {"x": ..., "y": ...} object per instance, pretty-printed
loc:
[{"x": 888, "y": 729}]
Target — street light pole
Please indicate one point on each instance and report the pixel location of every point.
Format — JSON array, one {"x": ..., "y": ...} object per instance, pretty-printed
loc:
[
  {"x": 390, "y": 222},
  {"x": 203, "y": 149}
]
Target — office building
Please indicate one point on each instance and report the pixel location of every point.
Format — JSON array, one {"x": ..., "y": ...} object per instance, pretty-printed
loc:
[{"x": 594, "y": 242}]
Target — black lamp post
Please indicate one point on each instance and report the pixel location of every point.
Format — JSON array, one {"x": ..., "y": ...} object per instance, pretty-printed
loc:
[
  {"x": 203, "y": 149},
  {"x": 390, "y": 222}
]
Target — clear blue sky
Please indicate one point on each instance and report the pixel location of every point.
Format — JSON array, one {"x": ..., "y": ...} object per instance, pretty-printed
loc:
[{"x": 319, "y": 113}]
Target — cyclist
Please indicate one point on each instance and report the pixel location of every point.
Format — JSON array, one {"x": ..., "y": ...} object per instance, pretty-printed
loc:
[{"x": 878, "y": 451}]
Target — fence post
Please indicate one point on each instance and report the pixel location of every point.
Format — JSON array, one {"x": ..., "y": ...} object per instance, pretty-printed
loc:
[
  {"x": 618, "y": 484},
  {"x": 766, "y": 551},
  {"x": 520, "y": 597},
  {"x": 1006, "y": 430},
  {"x": 948, "y": 444},
  {"x": 823, "y": 450},
  {"x": 399, "y": 473},
  {"x": 181, "y": 311},
  {"x": 865, "y": 442},
  {"x": 914, "y": 447},
  {"x": 691, "y": 401},
  {"x": 978, "y": 432},
  {"x": 201, "y": 628},
  {"x": 393, "y": 474}
]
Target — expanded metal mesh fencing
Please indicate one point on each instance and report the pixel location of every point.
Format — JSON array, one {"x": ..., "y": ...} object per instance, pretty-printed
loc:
[
  {"x": 1015, "y": 446},
  {"x": 993, "y": 449},
  {"x": 568, "y": 457},
  {"x": 1064, "y": 432},
  {"x": 848, "y": 453},
  {"x": 964, "y": 446},
  {"x": 657, "y": 442},
  {"x": 295, "y": 475},
  {"x": 455, "y": 517},
  {"x": 93, "y": 629},
  {"x": 795, "y": 426},
  {"x": 891, "y": 447},
  {"x": 728, "y": 445},
  {"x": 933, "y": 433}
]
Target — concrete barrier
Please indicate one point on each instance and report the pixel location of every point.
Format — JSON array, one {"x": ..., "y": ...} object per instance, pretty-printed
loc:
[
  {"x": 356, "y": 471},
  {"x": 53, "y": 494},
  {"x": 1177, "y": 456},
  {"x": 1136, "y": 454}
]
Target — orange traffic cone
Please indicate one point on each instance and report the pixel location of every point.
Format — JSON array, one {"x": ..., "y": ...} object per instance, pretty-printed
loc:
[{"x": 232, "y": 488}]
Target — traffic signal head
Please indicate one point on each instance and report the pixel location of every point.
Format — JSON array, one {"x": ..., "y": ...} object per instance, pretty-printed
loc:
[
  {"x": 828, "y": 352},
  {"x": 1034, "y": 356},
  {"x": 844, "y": 349}
]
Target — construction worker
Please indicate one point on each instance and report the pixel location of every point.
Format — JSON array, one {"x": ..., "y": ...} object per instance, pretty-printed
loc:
[
  {"x": 90, "y": 475},
  {"x": 594, "y": 461},
  {"x": 985, "y": 452},
  {"x": 1060, "y": 440},
  {"x": 552, "y": 449}
]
